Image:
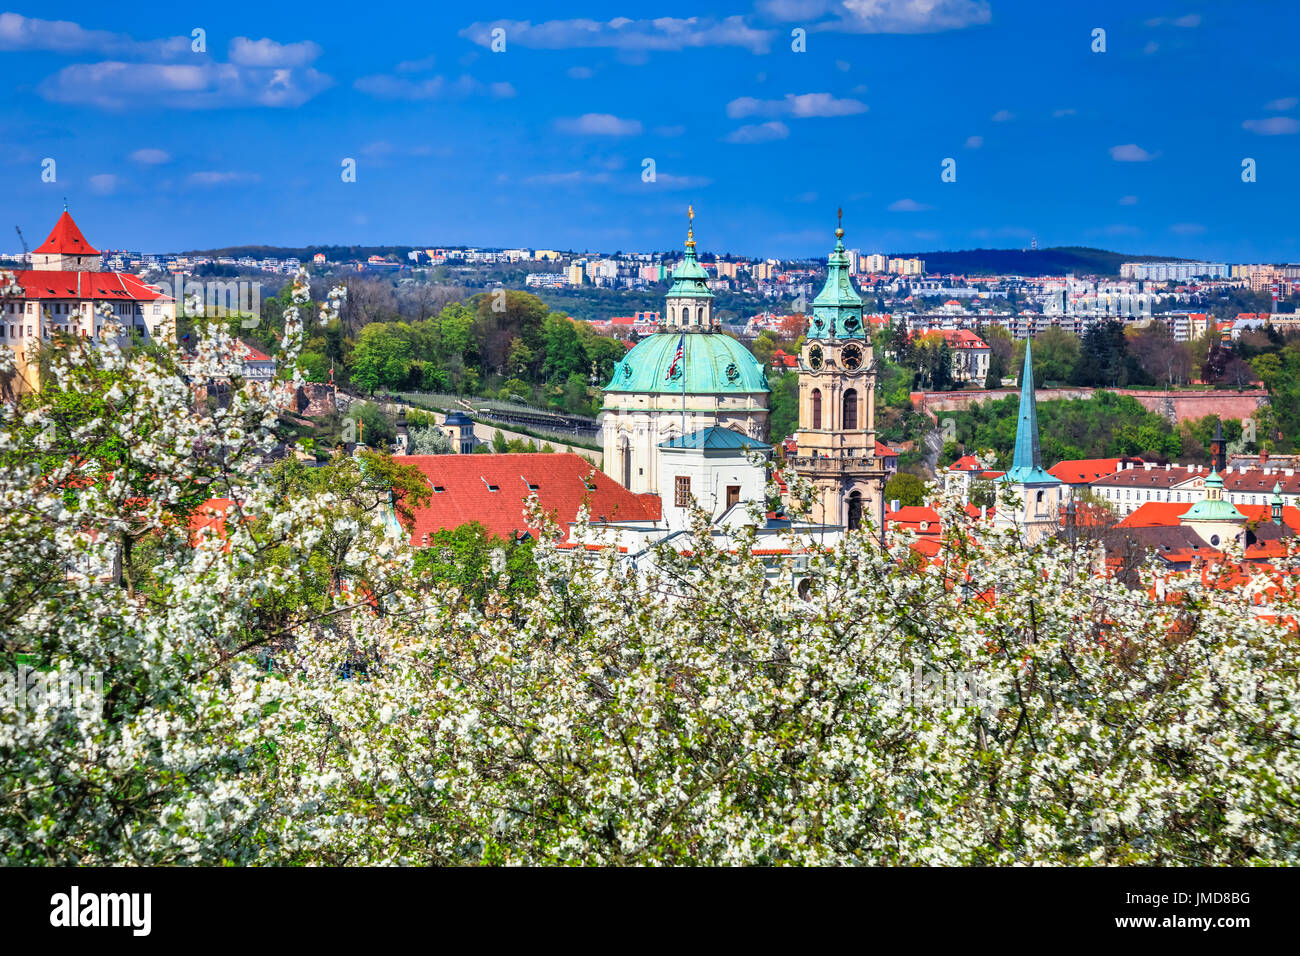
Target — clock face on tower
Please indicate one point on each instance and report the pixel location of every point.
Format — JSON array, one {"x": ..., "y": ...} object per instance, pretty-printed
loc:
[
  {"x": 852, "y": 357},
  {"x": 815, "y": 358}
]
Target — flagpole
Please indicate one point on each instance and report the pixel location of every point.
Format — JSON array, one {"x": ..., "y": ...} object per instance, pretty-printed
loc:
[{"x": 683, "y": 389}]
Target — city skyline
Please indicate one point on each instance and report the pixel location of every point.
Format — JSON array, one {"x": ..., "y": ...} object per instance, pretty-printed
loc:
[{"x": 1137, "y": 149}]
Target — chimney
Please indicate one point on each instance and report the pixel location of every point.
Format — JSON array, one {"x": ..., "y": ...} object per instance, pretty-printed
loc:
[{"x": 1263, "y": 457}]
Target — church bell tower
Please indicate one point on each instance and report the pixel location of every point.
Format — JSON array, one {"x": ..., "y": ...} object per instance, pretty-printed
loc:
[{"x": 837, "y": 405}]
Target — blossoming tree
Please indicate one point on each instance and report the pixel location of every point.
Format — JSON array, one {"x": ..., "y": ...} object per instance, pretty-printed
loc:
[{"x": 297, "y": 688}]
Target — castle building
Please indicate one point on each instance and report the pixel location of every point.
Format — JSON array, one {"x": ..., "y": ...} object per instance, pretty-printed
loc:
[
  {"x": 686, "y": 377},
  {"x": 62, "y": 293},
  {"x": 1036, "y": 513},
  {"x": 837, "y": 406}
]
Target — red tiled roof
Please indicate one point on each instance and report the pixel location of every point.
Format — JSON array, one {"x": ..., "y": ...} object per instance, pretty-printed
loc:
[
  {"x": 963, "y": 339},
  {"x": 884, "y": 451},
  {"x": 86, "y": 285},
  {"x": 1164, "y": 514},
  {"x": 254, "y": 355},
  {"x": 912, "y": 517},
  {"x": 1290, "y": 515},
  {"x": 66, "y": 239},
  {"x": 559, "y": 480},
  {"x": 1155, "y": 514},
  {"x": 1079, "y": 471}
]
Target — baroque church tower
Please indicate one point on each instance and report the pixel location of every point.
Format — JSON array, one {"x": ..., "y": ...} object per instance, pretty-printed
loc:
[{"x": 837, "y": 405}]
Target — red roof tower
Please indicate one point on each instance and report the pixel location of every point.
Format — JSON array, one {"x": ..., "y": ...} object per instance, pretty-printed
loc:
[{"x": 66, "y": 240}]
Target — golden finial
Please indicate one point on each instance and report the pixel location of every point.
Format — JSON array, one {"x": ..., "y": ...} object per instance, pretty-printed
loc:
[
  {"x": 839, "y": 223},
  {"x": 690, "y": 226}
]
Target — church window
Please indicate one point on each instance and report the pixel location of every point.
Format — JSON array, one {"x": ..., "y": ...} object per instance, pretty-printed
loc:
[
  {"x": 817, "y": 408},
  {"x": 682, "y": 491},
  {"x": 851, "y": 408}
]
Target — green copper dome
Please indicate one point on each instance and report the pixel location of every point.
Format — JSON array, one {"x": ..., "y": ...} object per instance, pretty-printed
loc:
[
  {"x": 712, "y": 362},
  {"x": 837, "y": 310},
  {"x": 1213, "y": 507}
]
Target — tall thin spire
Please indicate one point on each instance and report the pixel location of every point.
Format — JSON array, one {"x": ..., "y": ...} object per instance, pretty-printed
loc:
[
  {"x": 1027, "y": 455},
  {"x": 1027, "y": 462}
]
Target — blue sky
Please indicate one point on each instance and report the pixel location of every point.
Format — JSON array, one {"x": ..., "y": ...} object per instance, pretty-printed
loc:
[{"x": 1140, "y": 148}]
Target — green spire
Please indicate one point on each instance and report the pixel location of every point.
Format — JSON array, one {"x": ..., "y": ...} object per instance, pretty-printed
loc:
[
  {"x": 837, "y": 310},
  {"x": 1027, "y": 461}
]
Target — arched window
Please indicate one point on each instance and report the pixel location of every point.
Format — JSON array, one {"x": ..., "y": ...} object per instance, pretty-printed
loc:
[
  {"x": 855, "y": 511},
  {"x": 625, "y": 452},
  {"x": 817, "y": 408},
  {"x": 851, "y": 408}
]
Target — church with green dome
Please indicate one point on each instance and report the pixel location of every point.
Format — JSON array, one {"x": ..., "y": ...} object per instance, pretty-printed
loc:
[{"x": 687, "y": 377}]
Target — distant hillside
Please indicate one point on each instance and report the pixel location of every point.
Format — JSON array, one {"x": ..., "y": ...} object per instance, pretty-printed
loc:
[
  {"x": 333, "y": 253},
  {"x": 1055, "y": 261}
]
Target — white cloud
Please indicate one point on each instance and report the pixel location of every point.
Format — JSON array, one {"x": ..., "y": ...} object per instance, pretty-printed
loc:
[
  {"x": 1151, "y": 47},
  {"x": 422, "y": 65},
  {"x": 1188, "y": 21},
  {"x": 1065, "y": 112},
  {"x": 220, "y": 178},
  {"x": 1187, "y": 228},
  {"x": 150, "y": 156},
  {"x": 974, "y": 142},
  {"x": 572, "y": 178},
  {"x": 880, "y": 16},
  {"x": 165, "y": 72},
  {"x": 103, "y": 183},
  {"x": 669, "y": 131},
  {"x": 759, "y": 133},
  {"x": 1282, "y": 105},
  {"x": 842, "y": 65},
  {"x": 1273, "y": 126},
  {"x": 205, "y": 85},
  {"x": 907, "y": 205},
  {"x": 61, "y": 36},
  {"x": 579, "y": 72},
  {"x": 661, "y": 33},
  {"x": 669, "y": 181},
  {"x": 245, "y": 52},
  {"x": 1003, "y": 116},
  {"x": 1130, "y": 153},
  {"x": 797, "y": 105},
  {"x": 1128, "y": 200},
  {"x": 386, "y": 86},
  {"x": 598, "y": 124}
]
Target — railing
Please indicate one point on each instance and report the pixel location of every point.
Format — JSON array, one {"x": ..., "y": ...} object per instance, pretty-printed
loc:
[{"x": 835, "y": 465}]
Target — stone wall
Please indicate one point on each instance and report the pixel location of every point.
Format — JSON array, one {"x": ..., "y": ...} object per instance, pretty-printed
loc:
[{"x": 1176, "y": 406}]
